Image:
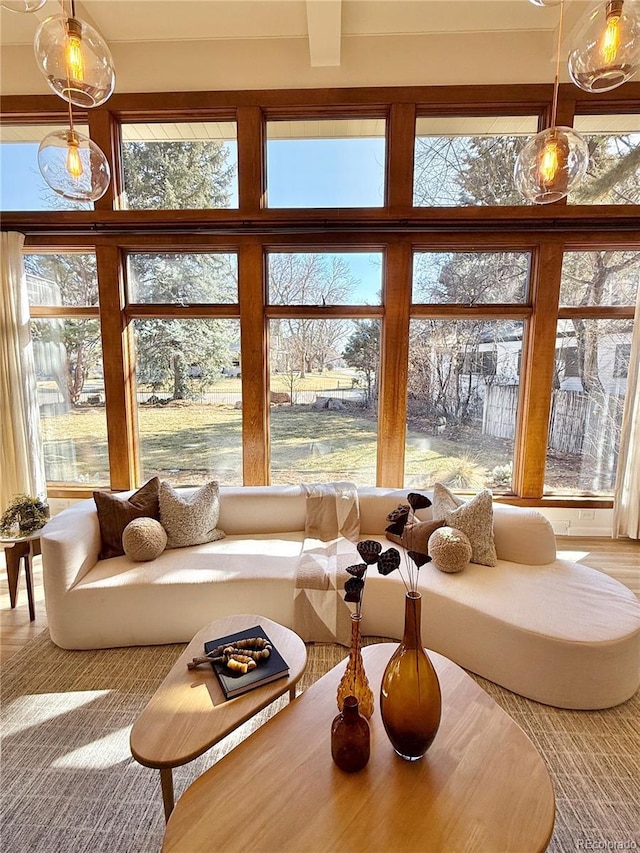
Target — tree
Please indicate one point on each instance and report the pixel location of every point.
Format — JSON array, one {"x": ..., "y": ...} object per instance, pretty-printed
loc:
[
  {"x": 176, "y": 175},
  {"x": 68, "y": 280},
  {"x": 297, "y": 278},
  {"x": 362, "y": 352},
  {"x": 169, "y": 352}
]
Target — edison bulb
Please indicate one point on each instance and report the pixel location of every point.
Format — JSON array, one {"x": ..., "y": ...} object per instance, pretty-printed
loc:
[
  {"x": 75, "y": 61},
  {"x": 550, "y": 161},
  {"x": 74, "y": 161}
]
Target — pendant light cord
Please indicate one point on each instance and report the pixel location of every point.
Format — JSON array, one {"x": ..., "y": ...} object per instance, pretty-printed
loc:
[
  {"x": 71, "y": 130},
  {"x": 556, "y": 84}
]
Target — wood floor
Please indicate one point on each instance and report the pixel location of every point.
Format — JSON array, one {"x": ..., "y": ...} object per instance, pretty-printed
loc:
[{"x": 619, "y": 558}]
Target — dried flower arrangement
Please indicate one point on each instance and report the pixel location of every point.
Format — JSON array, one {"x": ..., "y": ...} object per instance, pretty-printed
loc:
[
  {"x": 23, "y": 516},
  {"x": 390, "y": 560}
]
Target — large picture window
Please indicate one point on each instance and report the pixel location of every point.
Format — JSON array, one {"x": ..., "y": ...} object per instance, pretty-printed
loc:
[
  {"x": 324, "y": 387},
  {"x": 591, "y": 369},
  {"x": 189, "y": 397},
  {"x": 463, "y": 392},
  {"x": 67, "y": 351}
]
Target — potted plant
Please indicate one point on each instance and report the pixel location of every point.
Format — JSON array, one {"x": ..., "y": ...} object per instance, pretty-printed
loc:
[{"x": 23, "y": 516}]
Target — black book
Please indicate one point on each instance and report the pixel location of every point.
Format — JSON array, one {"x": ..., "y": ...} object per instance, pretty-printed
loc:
[{"x": 235, "y": 684}]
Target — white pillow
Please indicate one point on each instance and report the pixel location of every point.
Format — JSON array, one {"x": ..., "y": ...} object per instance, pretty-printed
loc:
[
  {"x": 473, "y": 517},
  {"x": 190, "y": 519}
]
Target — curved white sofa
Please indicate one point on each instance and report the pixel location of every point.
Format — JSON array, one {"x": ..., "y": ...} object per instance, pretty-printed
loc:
[{"x": 552, "y": 630}]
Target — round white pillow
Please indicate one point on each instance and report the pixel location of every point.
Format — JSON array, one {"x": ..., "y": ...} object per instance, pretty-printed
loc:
[
  {"x": 144, "y": 539},
  {"x": 449, "y": 549}
]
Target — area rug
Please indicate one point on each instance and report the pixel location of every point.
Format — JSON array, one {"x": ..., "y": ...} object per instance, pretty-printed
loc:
[{"x": 69, "y": 782}]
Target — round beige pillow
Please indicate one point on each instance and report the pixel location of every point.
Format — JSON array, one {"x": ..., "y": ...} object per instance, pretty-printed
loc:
[
  {"x": 449, "y": 549},
  {"x": 144, "y": 539}
]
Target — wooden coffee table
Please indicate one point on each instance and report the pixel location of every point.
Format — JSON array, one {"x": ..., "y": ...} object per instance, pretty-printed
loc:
[
  {"x": 481, "y": 786},
  {"x": 188, "y": 713}
]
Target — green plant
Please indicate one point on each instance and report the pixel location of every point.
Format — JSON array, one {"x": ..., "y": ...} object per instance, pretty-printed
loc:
[{"x": 24, "y": 515}]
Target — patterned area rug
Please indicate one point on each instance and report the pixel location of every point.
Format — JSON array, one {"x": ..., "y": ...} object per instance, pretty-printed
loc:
[{"x": 69, "y": 782}]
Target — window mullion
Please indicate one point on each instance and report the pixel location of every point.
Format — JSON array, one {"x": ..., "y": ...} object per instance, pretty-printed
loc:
[
  {"x": 118, "y": 359},
  {"x": 538, "y": 361},
  {"x": 394, "y": 359}
]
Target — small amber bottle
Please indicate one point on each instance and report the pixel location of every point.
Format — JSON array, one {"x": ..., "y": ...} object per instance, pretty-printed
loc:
[{"x": 350, "y": 737}]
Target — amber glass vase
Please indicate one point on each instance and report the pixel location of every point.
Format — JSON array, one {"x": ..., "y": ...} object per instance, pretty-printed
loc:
[
  {"x": 350, "y": 738},
  {"x": 410, "y": 699},
  {"x": 354, "y": 682}
]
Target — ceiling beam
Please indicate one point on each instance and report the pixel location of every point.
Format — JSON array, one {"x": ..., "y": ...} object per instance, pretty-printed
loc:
[{"x": 324, "y": 25}]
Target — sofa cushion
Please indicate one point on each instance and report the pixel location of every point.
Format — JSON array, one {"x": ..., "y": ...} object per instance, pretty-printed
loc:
[
  {"x": 144, "y": 539},
  {"x": 473, "y": 517},
  {"x": 115, "y": 512},
  {"x": 190, "y": 519},
  {"x": 523, "y": 535},
  {"x": 450, "y": 549}
]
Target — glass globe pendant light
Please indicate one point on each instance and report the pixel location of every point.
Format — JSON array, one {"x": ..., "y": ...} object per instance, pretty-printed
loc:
[
  {"x": 609, "y": 52},
  {"x": 23, "y": 5},
  {"x": 73, "y": 165},
  {"x": 556, "y": 159},
  {"x": 75, "y": 60},
  {"x": 545, "y": 2}
]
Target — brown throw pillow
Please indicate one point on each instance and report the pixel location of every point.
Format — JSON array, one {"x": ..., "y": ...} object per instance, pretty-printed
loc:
[
  {"x": 115, "y": 512},
  {"x": 415, "y": 535}
]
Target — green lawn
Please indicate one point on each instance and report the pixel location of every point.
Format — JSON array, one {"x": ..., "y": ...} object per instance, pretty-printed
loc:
[{"x": 190, "y": 443}]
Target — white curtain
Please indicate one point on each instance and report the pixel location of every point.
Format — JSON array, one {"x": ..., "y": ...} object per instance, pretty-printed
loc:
[
  {"x": 626, "y": 503},
  {"x": 21, "y": 463}
]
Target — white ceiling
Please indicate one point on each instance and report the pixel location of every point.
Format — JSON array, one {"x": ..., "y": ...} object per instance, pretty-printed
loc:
[{"x": 176, "y": 45}]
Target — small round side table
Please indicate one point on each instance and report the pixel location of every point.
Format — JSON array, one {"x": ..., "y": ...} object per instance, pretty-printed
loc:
[{"x": 21, "y": 548}]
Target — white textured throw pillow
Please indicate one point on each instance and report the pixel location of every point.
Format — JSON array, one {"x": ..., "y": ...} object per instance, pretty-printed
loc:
[
  {"x": 190, "y": 519},
  {"x": 473, "y": 517}
]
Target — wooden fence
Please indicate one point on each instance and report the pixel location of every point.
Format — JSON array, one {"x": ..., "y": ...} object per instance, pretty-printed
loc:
[{"x": 580, "y": 423}]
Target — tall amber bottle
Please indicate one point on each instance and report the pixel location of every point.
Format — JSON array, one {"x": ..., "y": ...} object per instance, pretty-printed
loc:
[
  {"x": 354, "y": 682},
  {"x": 410, "y": 699}
]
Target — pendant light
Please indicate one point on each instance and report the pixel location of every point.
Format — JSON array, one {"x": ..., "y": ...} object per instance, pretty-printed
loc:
[
  {"x": 609, "y": 52},
  {"x": 556, "y": 159},
  {"x": 73, "y": 165},
  {"x": 23, "y": 5},
  {"x": 545, "y": 2},
  {"x": 75, "y": 60}
]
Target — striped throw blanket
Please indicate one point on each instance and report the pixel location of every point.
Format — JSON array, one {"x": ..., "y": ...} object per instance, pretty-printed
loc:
[{"x": 331, "y": 531}]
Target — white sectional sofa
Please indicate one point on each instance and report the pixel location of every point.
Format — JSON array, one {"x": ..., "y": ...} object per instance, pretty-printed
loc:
[{"x": 552, "y": 630}]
